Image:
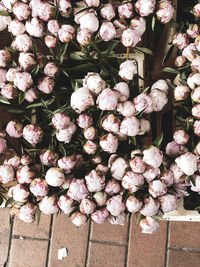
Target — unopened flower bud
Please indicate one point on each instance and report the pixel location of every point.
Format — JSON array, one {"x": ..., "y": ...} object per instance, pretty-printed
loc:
[
  {"x": 84, "y": 120},
  {"x": 145, "y": 7},
  {"x": 50, "y": 41},
  {"x": 128, "y": 69},
  {"x": 90, "y": 133},
  {"x": 67, "y": 164},
  {"x": 149, "y": 225},
  {"x": 112, "y": 187},
  {"x": 87, "y": 206},
  {"x": 168, "y": 203},
  {"x": 65, "y": 203},
  {"x": 130, "y": 37},
  {"x": 45, "y": 11},
  {"x": 181, "y": 92},
  {"x": 133, "y": 204},
  {"x": 27, "y": 213},
  {"x": 48, "y": 205},
  {"x": 32, "y": 134},
  {"x": 132, "y": 181},
  {"x": 115, "y": 205},
  {"x": 100, "y": 198},
  {"x": 129, "y": 126},
  {"x": 109, "y": 143},
  {"x": 20, "y": 193},
  {"x": 187, "y": 163},
  {"x": 6, "y": 174},
  {"x": 22, "y": 43},
  {"x": 150, "y": 207},
  {"x": 123, "y": 90},
  {"x": 107, "y": 11},
  {"x": 100, "y": 216},
  {"x": 39, "y": 187},
  {"x": 95, "y": 181}
]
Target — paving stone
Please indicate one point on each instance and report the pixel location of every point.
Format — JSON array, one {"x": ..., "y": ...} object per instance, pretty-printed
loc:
[
  {"x": 29, "y": 253},
  {"x": 184, "y": 234},
  {"x": 147, "y": 250},
  {"x": 67, "y": 235},
  {"x": 4, "y": 235},
  {"x": 106, "y": 255},
  {"x": 109, "y": 232},
  {"x": 183, "y": 259},
  {"x": 32, "y": 229}
]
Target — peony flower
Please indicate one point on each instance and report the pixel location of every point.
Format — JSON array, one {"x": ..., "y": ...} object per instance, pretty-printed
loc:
[
  {"x": 148, "y": 225},
  {"x": 143, "y": 102},
  {"x": 10, "y": 75},
  {"x": 53, "y": 26},
  {"x": 159, "y": 99},
  {"x": 26, "y": 60},
  {"x": 25, "y": 175},
  {"x": 90, "y": 147},
  {"x": 21, "y": 11},
  {"x": 115, "y": 205},
  {"x": 193, "y": 31},
  {"x": 4, "y": 20},
  {"x": 180, "y": 40},
  {"x": 6, "y": 174},
  {"x": 165, "y": 11},
  {"x": 39, "y": 187},
  {"x": 77, "y": 189},
  {"x": 8, "y": 4},
  {"x": 187, "y": 163},
  {"x": 144, "y": 126},
  {"x": 14, "y": 129},
  {"x": 157, "y": 188},
  {"x": 45, "y": 11},
  {"x": 26, "y": 160},
  {"x": 112, "y": 187},
  {"x": 132, "y": 181},
  {"x": 130, "y": 37},
  {"x": 128, "y": 69},
  {"x": 193, "y": 80},
  {"x": 55, "y": 176},
  {"x": 118, "y": 220},
  {"x": 107, "y": 31},
  {"x": 60, "y": 121},
  {"x": 9, "y": 91},
  {"x": 20, "y": 193},
  {"x": 87, "y": 206},
  {"x": 46, "y": 85},
  {"x": 48, "y": 157},
  {"x": 100, "y": 216},
  {"x": 173, "y": 149},
  {"x": 108, "y": 99},
  {"x": 126, "y": 109},
  {"x": 181, "y": 92},
  {"x": 65, "y": 135},
  {"x": 168, "y": 203},
  {"x": 3, "y": 145},
  {"x": 81, "y": 99},
  {"x": 65, "y": 203},
  {"x": 195, "y": 95},
  {"x": 150, "y": 207},
  {"x": 22, "y": 43},
  {"x": 48, "y": 205},
  {"x": 35, "y": 27},
  {"x": 100, "y": 198},
  {"x": 16, "y": 27},
  {"x": 109, "y": 143},
  {"x": 180, "y": 61},
  {"x": 161, "y": 85},
  {"x": 123, "y": 90},
  {"x": 137, "y": 165},
  {"x": 111, "y": 123},
  {"x": 139, "y": 24},
  {"x": 27, "y": 213},
  {"x": 107, "y": 11},
  {"x": 129, "y": 126},
  {"x": 78, "y": 218},
  {"x": 87, "y": 19},
  {"x": 153, "y": 156},
  {"x": 34, "y": 7},
  {"x": 32, "y": 134},
  {"x": 14, "y": 161},
  {"x": 31, "y": 95},
  {"x": 96, "y": 160},
  {"x": 95, "y": 181},
  {"x": 167, "y": 177},
  {"x": 5, "y": 58},
  {"x": 65, "y": 8},
  {"x": 92, "y": 3},
  {"x": 177, "y": 172},
  {"x": 188, "y": 52},
  {"x": 195, "y": 64},
  {"x": 181, "y": 137},
  {"x": 50, "y": 41},
  {"x": 180, "y": 189},
  {"x": 90, "y": 133},
  {"x": 196, "y": 10},
  {"x": 23, "y": 80},
  {"x": 118, "y": 167},
  {"x": 133, "y": 204},
  {"x": 67, "y": 164},
  {"x": 84, "y": 36},
  {"x": 84, "y": 120},
  {"x": 66, "y": 33},
  {"x": 145, "y": 7},
  {"x": 94, "y": 83}
]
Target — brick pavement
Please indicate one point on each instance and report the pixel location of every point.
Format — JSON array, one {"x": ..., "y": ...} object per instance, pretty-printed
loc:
[{"x": 175, "y": 245}]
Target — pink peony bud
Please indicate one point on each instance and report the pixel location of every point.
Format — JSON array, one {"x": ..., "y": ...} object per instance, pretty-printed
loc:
[
  {"x": 180, "y": 40},
  {"x": 109, "y": 143},
  {"x": 180, "y": 189},
  {"x": 96, "y": 160},
  {"x": 90, "y": 133},
  {"x": 35, "y": 27},
  {"x": 50, "y": 41},
  {"x": 53, "y": 26},
  {"x": 150, "y": 207},
  {"x": 81, "y": 99},
  {"x": 196, "y": 10},
  {"x": 32, "y": 134},
  {"x": 94, "y": 83},
  {"x": 90, "y": 147},
  {"x": 48, "y": 157},
  {"x": 92, "y": 3},
  {"x": 181, "y": 92},
  {"x": 100, "y": 198},
  {"x": 65, "y": 203},
  {"x": 180, "y": 61},
  {"x": 77, "y": 189},
  {"x": 2, "y": 77},
  {"x": 161, "y": 85},
  {"x": 193, "y": 31},
  {"x": 26, "y": 160},
  {"x": 4, "y": 20},
  {"x": 23, "y": 80},
  {"x": 55, "y": 176},
  {"x": 84, "y": 36},
  {"x": 132, "y": 181},
  {"x": 46, "y": 85},
  {"x": 178, "y": 173},
  {"x": 88, "y": 20},
  {"x": 126, "y": 109},
  {"x": 78, "y": 218},
  {"x": 149, "y": 225},
  {"x": 118, "y": 167},
  {"x": 95, "y": 181},
  {"x": 153, "y": 156},
  {"x": 102, "y": 168},
  {"x": 20, "y": 193},
  {"x": 111, "y": 123},
  {"x": 6, "y": 174},
  {"x": 67, "y": 164},
  {"x": 133, "y": 204},
  {"x": 137, "y": 165},
  {"x": 167, "y": 177},
  {"x": 65, "y": 8},
  {"x": 22, "y": 43},
  {"x": 130, "y": 38},
  {"x": 26, "y": 60},
  {"x": 100, "y": 216},
  {"x": 16, "y": 27},
  {"x": 8, "y": 4},
  {"x": 128, "y": 69},
  {"x": 168, "y": 203},
  {"x": 195, "y": 65},
  {"x": 143, "y": 102},
  {"x": 66, "y": 33},
  {"x": 14, "y": 129},
  {"x": 39, "y": 187},
  {"x": 139, "y": 24},
  {"x": 159, "y": 99},
  {"x": 193, "y": 80},
  {"x": 112, "y": 187},
  {"x": 10, "y": 75},
  {"x": 145, "y": 7},
  {"x": 157, "y": 188},
  {"x": 107, "y": 31},
  {"x": 9, "y": 91},
  {"x": 107, "y": 12},
  {"x": 87, "y": 206},
  {"x": 5, "y": 58},
  {"x": 118, "y": 220},
  {"x": 187, "y": 163},
  {"x": 45, "y": 11},
  {"x": 188, "y": 52},
  {"x": 31, "y": 95},
  {"x": 27, "y": 213},
  {"x": 84, "y": 120},
  {"x": 21, "y": 11},
  {"x": 115, "y": 205},
  {"x": 130, "y": 126},
  {"x": 3, "y": 145},
  {"x": 165, "y": 11},
  {"x": 151, "y": 173},
  {"x": 195, "y": 95},
  {"x": 197, "y": 149},
  {"x": 174, "y": 150},
  {"x": 51, "y": 70},
  {"x": 144, "y": 126},
  {"x": 181, "y": 137},
  {"x": 123, "y": 90},
  {"x": 108, "y": 99},
  {"x": 126, "y": 10},
  {"x": 60, "y": 121},
  {"x": 25, "y": 175},
  {"x": 48, "y": 205},
  {"x": 66, "y": 134}
]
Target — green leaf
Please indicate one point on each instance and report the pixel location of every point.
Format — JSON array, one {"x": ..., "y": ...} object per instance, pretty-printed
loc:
[
  {"x": 41, "y": 104},
  {"x": 83, "y": 67},
  {"x": 13, "y": 110},
  {"x": 144, "y": 50},
  {"x": 11, "y": 50},
  {"x": 1, "y": 200},
  {"x": 157, "y": 217},
  {"x": 170, "y": 70},
  {"x": 22, "y": 96},
  {"x": 35, "y": 70},
  {"x": 78, "y": 57},
  {"x": 125, "y": 195},
  {"x": 62, "y": 149},
  {"x": 37, "y": 215},
  {"x": 140, "y": 114},
  {"x": 168, "y": 54},
  {"x": 9, "y": 201},
  {"x": 63, "y": 51},
  {"x": 111, "y": 46},
  {"x": 54, "y": 132},
  {"x": 171, "y": 85},
  {"x": 153, "y": 22},
  {"x": 158, "y": 141},
  {"x": 4, "y": 13},
  {"x": 4, "y": 100},
  {"x": 139, "y": 217},
  {"x": 192, "y": 179}
]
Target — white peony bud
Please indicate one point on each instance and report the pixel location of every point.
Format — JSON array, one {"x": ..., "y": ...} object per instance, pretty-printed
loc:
[
  {"x": 35, "y": 27},
  {"x": 100, "y": 198},
  {"x": 108, "y": 99},
  {"x": 187, "y": 163},
  {"x": 111, "y": 123},
  {"x": 84, "y": 120},
  {"x": 84, "y": 36},
  {"x": 6, "y": 174},
  {"x": 118, "y": 220},
  {"x": 153, "y": 156},
  {"x": 16, "y": 27},
  {"x": 168, "y": 203},
  {"x": 129, "y": 126},
  {"x": 81, "y": 99},
  {"x": 27, "y": 213},
  {"x": 128, "y": 69},
  {"x": 181, "y": 137},
  {"x": 21, "y": 10},
  {"x": 149, "y": 225},
  {"x": 137, "y": 165},
  {"x": 151, "y": 173},
  {"x": 115, "y": 205},
  {"x": 67, "y": 164},
  {"x": 150, "y": 207},
  {"x": 22, "y": 43},
  {"x": 25, "y": 175},
  {"x": 133, "y": 204},
  {"x": 94, "y": 82},
  {"x": 77, "y": 189},
  {"x": 181, "y": 92},
  {"x": 55, "y": 176},
  {"x": 118, "y": 167},
  {"x": 23, "y": 81},
  {"x": 32, "y": 134},
  {"x": 78, "y": 218},
  {"x": 39, "y": 187},
  {"x": 48, "y": 157},
  {"x": 130, "y": 38},
  {"x": 165, "y": 11},
  {"x": 65, "y": 203},
  {"x": 14, "y": 129},
  {"x": 145, "y": 7},
  {"x": 90, "y": 147},
  {"x": 112, "y": 187},
  {"x": 95, "y": 181},
  {"x": 100, "y": 216},
  {"x": 159, "y": 99},
  {"x": 107, "y": 11},
  {"x": 66, "y": 33},
  {"x": 107, "y": 31},
  {"x": 132, "y": 181},
  {"x": 48, "y": 205},
  {"x": 157, "y": 188},
  {"x": 45, "y": 11},
  {"x": 87, "y": 206},
  {"x": 109, "y": 143},
  {"x": 143, "y": 102},
  {"x": 126, "y": 109},
  {"x": 20, "y": 193}
]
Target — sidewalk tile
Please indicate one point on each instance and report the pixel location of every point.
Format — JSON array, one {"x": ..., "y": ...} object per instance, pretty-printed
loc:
[
  {"x": 67, "y": 235},
  {"x": 183, "y": 259},
  {"x": 147, "y": 250},
  {"x": 4, "y": 235},
  {"x": 102, "y": 255},
  {"x": 29, "y": 253}
]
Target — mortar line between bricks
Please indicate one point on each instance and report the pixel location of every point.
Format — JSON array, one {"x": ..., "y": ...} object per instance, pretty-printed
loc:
[
  {"x": 192, "y": 250},
  {"x": 127, "y": 240},
  {"x": 88, "y": 245},
  {"x": 29, "y": 238},
  {"x": 167, "y": 245},
  {"x": 10, "y": 243},
  {"x": 49, "y": 244},
  {"x": 120, "y": 244}
]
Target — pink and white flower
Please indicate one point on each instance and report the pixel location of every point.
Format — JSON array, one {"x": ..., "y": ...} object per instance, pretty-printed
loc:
[
  {"x": 90, "y": 147},
  {"x": 109, "y": 143},
  {"x": 149, "y": 225},
  {"x": 100, "y": 216},
  {"x": 35, "y": 27},
  {"x": 53, "y": 26},
  {"x": 66, "y": 134},
  {"x": 20, "y": 193},
  {"x": 132, "y": 181},
  {"x": 193, "y": 80},
  {"x": 118, "y": 167},
  {"x": 111, "y": 123},
  {"x": 6, "y": 174},
  {"x": 77, "y": 189},
  {"x": 65, "y": 203},
  {"x": 188, "y": 51},
  {"x": 14, "y": 129},
  {"x": 181, "y": 137},
  {"x": 16, "y": 27},
  {"x": 180, "y": 40},
  {"x": 107, "y": 31},
  {"x": 112, "y": 187},
  {"x": 95, "y": 181},
  {"x": 60, "y": 121},
  {"x": 46, "y": 85},
  {"x": 129, "y": 126},
  {"x": 157, "y": 188},
  {"x": 25, "y": 175},
  {"x": 187, "y": 163},
  {"x": 9, "y": 91},
  {"x": 126, "y": 10},
  {"x": 66, "y": 33},
  {"x": 92, "y": 3},
  {"x": 26, "y": 160},
  {"x": 128, "y": 69},
  {"x": 50, "y": 41},
  {"x": 139, "y": 24},
  {"x": 78, "y": 218},
  {"x": 45, "y": 11},
  {"x": 84, "y": 36},
  {"x": 81, "y": 99},
  {"x": 32, "y": 134},
  {"x": 3, "y": 145},
  {"x": 107, "y": 12},
  {"x": 137, "y": 165},
  {"x": 153, "y": 156},
  {"x": 161, "y": 85},
  {"x": 144, "y": 126},
  {"x": 39, "y": 187},
  {"x": 168, "y": 203},
  {"x": 94, "y": 83},
  {"x": 87, "y": 206},
  {"x": 84, "y": 120},
  {"x": 31, "y": 95},
  {"x": 143, "y": 102},
  {"x": 48, "y": 205},
  {"x": 165, "y": 11},
  {"x": 90, "y": 133},
  {"x": 133, "y": 204},
  {"x": 23, "y": 81},
  {"x": 196, "y": 10},
  {"x": 151, "y": 173},
  {"x": 126, "y": 109},
  {"x": 55, "y": 176},
  {"x": 115, "y": 205},
  {"x": 180, "y": 61},
  {"x": 181, "y": 92},
  {"x": 123, "y": 90},
  {"x": 167, "y": 177},
  {"x": 5, "y": 58},
  {"x": 150, "y": 207},
  {"x": 48, "y": 157},
  {"x": 108, "y": 99},
  {"x": 145, "y": 7},
  {"x": 195, "y": 95},
  {"x": 22, "y": 43},
  {"x": 174, "y": 150},
  {"x": 67, "y": 163},
  {"x": 118, "y": 220},
  {"x": 88, "y": 20},
  {"x": 21, "y": 10},
  {"x": 27, "y": 213},
  {"x": 159, "y": 99},
  {"x": 26, "y": 60},
  {"x": 100, "y": 198},
  {"x": 130, "y": 37},
  {"x": 193, "y": 31}
]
